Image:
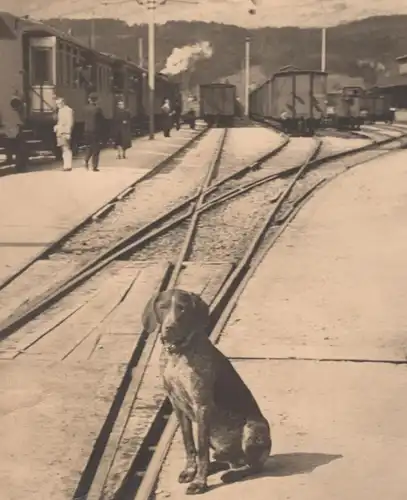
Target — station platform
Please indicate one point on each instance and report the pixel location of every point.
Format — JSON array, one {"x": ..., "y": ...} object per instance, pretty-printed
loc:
[
  {"x": 319, "y": 336},
  {"x": 39, "y": 206}
]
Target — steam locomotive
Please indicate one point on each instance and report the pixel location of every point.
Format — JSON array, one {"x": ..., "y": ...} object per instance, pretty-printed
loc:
[{"x": 42, "y": 63}]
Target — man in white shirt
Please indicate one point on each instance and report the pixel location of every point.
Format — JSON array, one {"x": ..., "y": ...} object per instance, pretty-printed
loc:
[{"x": 63, "y": 131}]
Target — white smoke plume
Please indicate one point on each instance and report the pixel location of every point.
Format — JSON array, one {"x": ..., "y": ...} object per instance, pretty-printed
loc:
[{"x": 184, "y": 58}]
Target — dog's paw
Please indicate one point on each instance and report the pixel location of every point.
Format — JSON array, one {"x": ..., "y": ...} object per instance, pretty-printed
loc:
[
  {"x": 187, "y": 475},
  {"x": 230, "y": 477},
  {"x": 196, "y": 488}
]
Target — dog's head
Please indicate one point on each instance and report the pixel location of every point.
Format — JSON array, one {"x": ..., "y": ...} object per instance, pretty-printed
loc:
[{"x": 179, "y": 314}]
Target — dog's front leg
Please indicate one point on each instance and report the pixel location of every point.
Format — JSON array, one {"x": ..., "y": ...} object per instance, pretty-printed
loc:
[
  {"x": 199, "y": 484},
  {"x": 189, "y": 472}
]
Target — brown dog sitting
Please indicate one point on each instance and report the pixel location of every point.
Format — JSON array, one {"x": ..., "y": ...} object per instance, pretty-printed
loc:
[{"x": 203, "y": 387}]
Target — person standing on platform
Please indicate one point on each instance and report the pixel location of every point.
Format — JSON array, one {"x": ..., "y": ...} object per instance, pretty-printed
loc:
[
  {"x": 17, "y": 145},
  {"x": 167, "y": 114},
  {"x": 177, "y": 114},
  {"x": 94, "y": 123},
  {"x": 63, "y": 131},
  {"x": 122, "y": 129}
]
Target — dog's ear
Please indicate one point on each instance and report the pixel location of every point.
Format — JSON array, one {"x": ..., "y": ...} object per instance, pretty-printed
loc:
[
  {"x": 149, "y": 317},
  {"x": 200, "y": 309}
]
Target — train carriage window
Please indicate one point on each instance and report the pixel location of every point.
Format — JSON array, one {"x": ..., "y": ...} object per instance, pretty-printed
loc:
[
  {"x": 68, "y": 66},
  {"x": 59, "y": 68},
  {"x": 75, "y": 64},
  {"x": 41, "y": 66}
]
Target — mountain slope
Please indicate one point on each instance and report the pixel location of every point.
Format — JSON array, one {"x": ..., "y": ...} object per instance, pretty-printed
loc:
[{"x": 366, "y": 48}]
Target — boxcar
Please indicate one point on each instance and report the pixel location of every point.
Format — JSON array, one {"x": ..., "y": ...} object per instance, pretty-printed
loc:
[
  {"x": 260, "y": 101},
  {"x": 217, "y": 103},
  {"x": 368, "y": 107},
  {"x": 380, "y": 107},
  {"x": 349, "y": 108},
  {"x": 296, "y": 98}
]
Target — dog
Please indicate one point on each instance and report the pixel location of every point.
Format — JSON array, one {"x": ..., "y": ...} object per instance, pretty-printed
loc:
[{"x": 204, "y": 388}]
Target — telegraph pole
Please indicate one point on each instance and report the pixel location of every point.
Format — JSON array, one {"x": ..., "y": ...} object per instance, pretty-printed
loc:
[
  {"x": 151, "y": 64},
  {"x": 151, "y": 6},
  {"x": 323, "y": 50},
  {"x": 247, "y": 76}
]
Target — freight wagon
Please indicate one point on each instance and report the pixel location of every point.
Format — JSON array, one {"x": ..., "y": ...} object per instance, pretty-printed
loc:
[
  {"x": 218, "y": 102},
  {"x": 42, "y": 63},
  {"x": 295, "y": 98},
  {"x": 348, "y": 107},
  {"x": 352, "y": 99},
  {"x": 377, "y": 107}
]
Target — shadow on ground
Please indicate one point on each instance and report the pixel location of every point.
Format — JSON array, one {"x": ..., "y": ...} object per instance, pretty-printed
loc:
[{"x": 289, "y": 464}]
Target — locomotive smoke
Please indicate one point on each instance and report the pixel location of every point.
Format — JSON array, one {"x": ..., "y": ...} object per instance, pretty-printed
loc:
[{"x": 182, "y": 59}]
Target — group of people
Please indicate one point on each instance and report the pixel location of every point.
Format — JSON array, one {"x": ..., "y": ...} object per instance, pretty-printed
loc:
[
  {"x": 171, "y": 115},
  {"x": 94, "y": 131}
]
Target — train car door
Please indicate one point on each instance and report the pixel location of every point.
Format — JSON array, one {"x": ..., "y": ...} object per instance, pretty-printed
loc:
[{"x": 42, "y": 74}]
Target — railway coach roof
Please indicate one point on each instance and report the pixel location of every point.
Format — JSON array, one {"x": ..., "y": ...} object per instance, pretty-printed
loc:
[
  {"x": 35, "y": 26},
  {"x": 117, "y": 60},
  {"x": 294, "y": 71},
  {"x": 7, "y": 26},
  {"x": 10, "y": 23}
]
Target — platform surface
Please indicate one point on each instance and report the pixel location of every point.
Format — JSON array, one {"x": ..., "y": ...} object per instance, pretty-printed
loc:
[
  {"x": 64, "y": 371},
  {"x": 317, "y": 335},
  {"x": 39, "y": 206}
]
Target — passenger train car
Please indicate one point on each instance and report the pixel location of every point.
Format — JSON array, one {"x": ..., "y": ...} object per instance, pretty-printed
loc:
[
  {"x": 295, "y": 98},
  {"x": 41, "y": 63}
]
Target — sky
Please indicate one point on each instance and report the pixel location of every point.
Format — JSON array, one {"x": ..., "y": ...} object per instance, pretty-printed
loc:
[{"x": 301, "y": 13}]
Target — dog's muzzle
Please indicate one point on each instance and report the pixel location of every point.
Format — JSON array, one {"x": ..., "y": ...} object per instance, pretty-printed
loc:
[{"x": 174, "y": 346}]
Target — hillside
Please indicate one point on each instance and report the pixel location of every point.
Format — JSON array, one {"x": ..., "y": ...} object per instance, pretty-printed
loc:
[{"x": 366, "y": 48}]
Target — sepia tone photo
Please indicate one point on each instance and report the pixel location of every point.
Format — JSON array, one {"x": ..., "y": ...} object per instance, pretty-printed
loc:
[{"x": 203, "y": 208}]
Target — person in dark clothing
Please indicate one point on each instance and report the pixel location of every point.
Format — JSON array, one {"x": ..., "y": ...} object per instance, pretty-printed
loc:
[
  {"x": 167, "y": 114},
  {"x": 122, "y": 130},
  {"x": 94, "y": 121},
  {"x": 177, "y": 114}
]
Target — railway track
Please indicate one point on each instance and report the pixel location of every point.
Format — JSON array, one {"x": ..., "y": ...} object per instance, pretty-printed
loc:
[
  {"x": 120, "y": 222},
  {"x": 142, "y": 472},
  {"x": 132, "y": 235},
  {"x": 244, "y": 213}
]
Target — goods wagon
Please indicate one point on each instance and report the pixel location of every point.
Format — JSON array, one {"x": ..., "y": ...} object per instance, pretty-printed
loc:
[
  {"x": 218, "y": 103},
  {"x": 377, "y": 107},
  {"x": 43, "y": 63},
  {"x": 346, "y": 108},
  {"x": 296, "y": 98}
]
